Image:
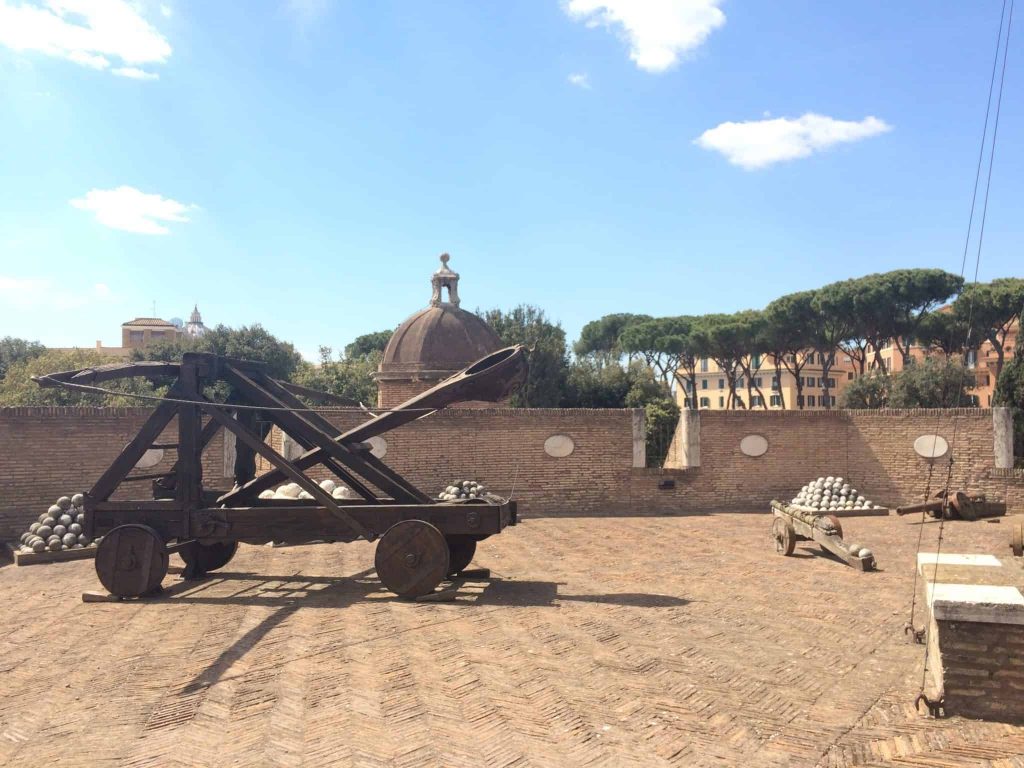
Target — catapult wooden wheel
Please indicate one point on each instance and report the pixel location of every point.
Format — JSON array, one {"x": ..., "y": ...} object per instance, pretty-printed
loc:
[
  {"x": 1017, "y": 540},
  {"x": 784, "y": 537},
  {"x": 202, "y": 558},
  {"x": 461, "y": 549},
  {"x": 131, "y": 561},
  {"x": 412, "y": 558}
]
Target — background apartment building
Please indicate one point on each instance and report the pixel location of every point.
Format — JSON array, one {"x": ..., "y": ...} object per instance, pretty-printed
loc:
[{"x": 713, "y": 386}]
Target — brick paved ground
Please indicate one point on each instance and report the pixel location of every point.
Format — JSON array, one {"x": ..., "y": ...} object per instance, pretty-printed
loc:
[{"x": 605, "y": 642}]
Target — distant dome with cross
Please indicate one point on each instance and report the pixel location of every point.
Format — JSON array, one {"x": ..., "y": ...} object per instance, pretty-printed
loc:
[{"x": 436, "y": 342}]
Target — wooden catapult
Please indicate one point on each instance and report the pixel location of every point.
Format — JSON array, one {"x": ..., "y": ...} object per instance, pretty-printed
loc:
[
  {"x": 791, "y": 524},
  {"x": 422, "y": 540}
]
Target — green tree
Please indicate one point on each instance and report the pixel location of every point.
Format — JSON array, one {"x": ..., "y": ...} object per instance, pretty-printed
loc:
[
  {"x": 787, "y": 336},
  {"x": 18, "y": 388},
  {"x": 835, "y": 324},
  {"x": 931, "y": 383},
  {"x": 549, "y": 360},
  {"x": 368, "y": 344},
  {"x": 14, "y": 350},
  {"x": 992, "y": 309},
  {"x": 250, "y": 342},
  {"x": 591, "y": 385},
  {"x": 909, "y": 294},
  {"x": 944, "y": 331},
  {"x": 722, "y": 337},
  {"x": 1010, "y": 393},
  {"x": 350, "y": 377},
  {"x": 601, "y": 337},
  {"x": 870, "y": 390}
]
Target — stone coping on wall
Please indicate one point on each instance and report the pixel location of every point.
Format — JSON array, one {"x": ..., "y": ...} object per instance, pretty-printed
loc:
[
  {"x": 87, "y": 410},
  {"x": 972, "y": 587},
  {"x": 886, "y": 412}
]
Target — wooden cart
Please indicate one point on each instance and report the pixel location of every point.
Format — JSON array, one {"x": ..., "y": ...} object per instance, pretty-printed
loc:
[
  {"x": 422, "y": 540},
  {"x": 791, "y": 524}
]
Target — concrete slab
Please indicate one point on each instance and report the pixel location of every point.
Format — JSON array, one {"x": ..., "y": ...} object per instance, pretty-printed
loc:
[
  {"x": 983, "y": 603},
  {"x": 931, "y": 558}
]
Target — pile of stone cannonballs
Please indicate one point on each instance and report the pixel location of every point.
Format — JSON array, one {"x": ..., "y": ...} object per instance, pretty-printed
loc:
[
  {"x": 59, "y": 528},
  {"x": 293, "y": 491},
  {"x": 828, "y": 494},
  {"x": 463, "y": 489}
]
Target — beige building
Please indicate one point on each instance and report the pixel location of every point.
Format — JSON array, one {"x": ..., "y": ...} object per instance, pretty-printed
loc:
[
  {"x": 982, "y": 361},
  {"x": 713, "y": 387}
]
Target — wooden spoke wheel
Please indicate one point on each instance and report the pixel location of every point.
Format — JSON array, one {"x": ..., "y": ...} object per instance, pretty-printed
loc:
[
  {"x": 839, "y": 530},
  {"x": 131, "y": 561},
  {"x": 412, "y": 558},
  {"x": 460, "y": 552},
  {"x": 203, "y": 558},
  {"x": 784, "y": 537},
  {"x": 1017, "y": 540}
]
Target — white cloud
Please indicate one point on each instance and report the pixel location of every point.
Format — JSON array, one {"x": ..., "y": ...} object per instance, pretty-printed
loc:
[
  {"x": 579, "y": 79},
  {"x": 760, "y": 143},
  {"x": 135, "y": 73},
  {"x": 166, "y": 11},
  {"x": 39, "y": 292},
  {"x": 658, "y": 31},
  {"x": 129, "y": 209},
  {"x": 92, "y": 33}
]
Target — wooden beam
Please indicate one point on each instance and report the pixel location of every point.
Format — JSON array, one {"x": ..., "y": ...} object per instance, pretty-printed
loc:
[
  {"x": 129, "y": 457},
  {"x": 297, "y": 425},
  {"x": 288, "y": 469}
]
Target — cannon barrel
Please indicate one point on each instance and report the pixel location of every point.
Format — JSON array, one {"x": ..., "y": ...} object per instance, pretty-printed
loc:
[
  {"x": 491, "y": 378},
  {"x": 924, "y": 506}
]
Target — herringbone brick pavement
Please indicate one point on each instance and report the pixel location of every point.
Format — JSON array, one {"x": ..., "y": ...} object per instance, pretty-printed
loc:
[{"x": 672, "y": 641}]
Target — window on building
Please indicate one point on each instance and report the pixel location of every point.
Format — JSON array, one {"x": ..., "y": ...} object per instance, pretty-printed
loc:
[
  {"x": 704, "y": 365},
  {"x": 810, "y": 400},
  {"x": 832, "y": 400},
  {"x": 757, "y": 401},
  {"x": 686, "y": 402},
  {"x": 849, "y": 376},
  {"x": 776, "y": 400},
  {"x": 971, "y": 359},
  {"x": 703, "y": 383},
  {"x": 775, "y": 382},
  {"x": 986, "y": 382},
  {"x": 721, "y": 383},
  {"x": 739, "y": 382},
  {"x": 705, "y": 402},
  {"x": 721, "y": 402},
  {"x": 757, "y": 381},
  {"x": 156, "y": 335},
  {"x": 800, "y": 399},
  {"x": 755, "y": 362},
  {"x": 831, "y": 383},
  {"x": 135, "y": 337}
]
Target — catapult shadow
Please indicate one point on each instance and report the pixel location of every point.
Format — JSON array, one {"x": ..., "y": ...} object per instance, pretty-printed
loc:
[{"x": 302, "y": 591}]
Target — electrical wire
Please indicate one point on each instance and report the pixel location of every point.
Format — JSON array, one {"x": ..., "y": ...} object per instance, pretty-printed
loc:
[{"x": 970, "y": 316}]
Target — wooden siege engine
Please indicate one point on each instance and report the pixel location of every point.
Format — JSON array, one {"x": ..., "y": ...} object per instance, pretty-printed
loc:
[{"x": 422, "y": 540}]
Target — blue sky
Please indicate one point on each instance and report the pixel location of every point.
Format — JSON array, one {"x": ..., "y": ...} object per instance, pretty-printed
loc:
[{"x": 301, "y": 164}]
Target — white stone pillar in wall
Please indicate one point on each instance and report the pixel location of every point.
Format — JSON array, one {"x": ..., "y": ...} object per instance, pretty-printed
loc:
[
  {"x": 1002, "y": 431},
  {"x": 639, "y": 438},
  {"x": 689, "y": 438}
]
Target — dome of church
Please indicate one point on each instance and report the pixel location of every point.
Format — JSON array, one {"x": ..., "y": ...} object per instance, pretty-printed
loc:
[{"x": 439, "y": 340}]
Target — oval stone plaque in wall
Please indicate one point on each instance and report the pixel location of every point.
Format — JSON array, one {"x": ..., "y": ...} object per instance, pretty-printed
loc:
[
  {"x": 379, "y": 446},
  {"x": 931, "y": 446},
  {"x": 754, "y": 445},
  {"x": 150, "y": 458},
  {"x": 559, "y": 446}
]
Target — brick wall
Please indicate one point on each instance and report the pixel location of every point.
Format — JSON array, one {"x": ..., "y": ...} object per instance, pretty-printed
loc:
[
  {"x": 983, "y": 669},
  {"x": 502, "y": 446},
  {"x": 47, "y": 452},
  {"x": 50, "y": 452}
]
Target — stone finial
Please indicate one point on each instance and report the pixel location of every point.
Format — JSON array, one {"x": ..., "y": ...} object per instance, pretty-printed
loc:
[{"x": 444, "y": 278}]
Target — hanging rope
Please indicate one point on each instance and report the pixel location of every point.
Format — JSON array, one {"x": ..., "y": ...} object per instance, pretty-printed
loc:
[{"x": 935, "y": 705}]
